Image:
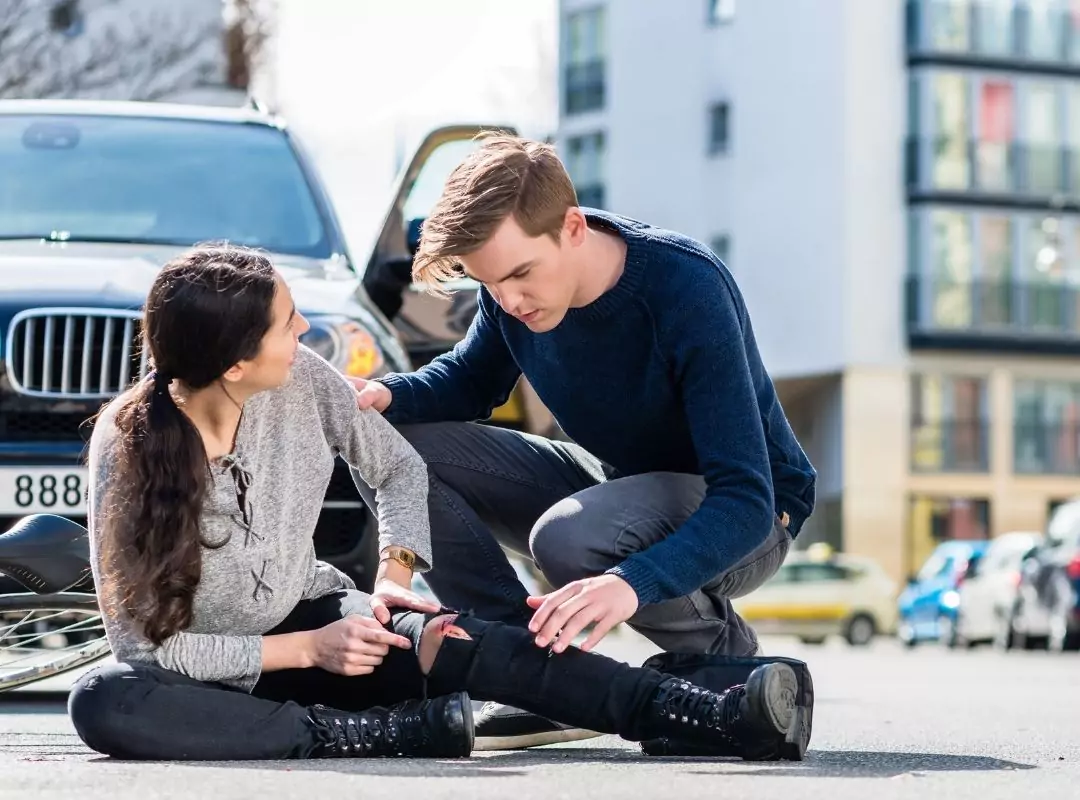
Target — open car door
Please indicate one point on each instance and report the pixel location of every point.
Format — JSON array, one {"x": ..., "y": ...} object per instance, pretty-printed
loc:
[{"x": 430, "y": 325}]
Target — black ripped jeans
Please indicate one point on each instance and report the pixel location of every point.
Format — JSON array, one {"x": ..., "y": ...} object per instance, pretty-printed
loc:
[{"x": 142, "y": 711}]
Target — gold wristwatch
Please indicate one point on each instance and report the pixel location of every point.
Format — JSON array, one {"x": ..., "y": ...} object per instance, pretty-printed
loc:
[{"x": 402, "y": 556}]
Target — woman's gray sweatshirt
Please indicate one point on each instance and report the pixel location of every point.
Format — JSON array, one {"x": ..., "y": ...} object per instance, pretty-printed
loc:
[{"x": 284, "y": 455}]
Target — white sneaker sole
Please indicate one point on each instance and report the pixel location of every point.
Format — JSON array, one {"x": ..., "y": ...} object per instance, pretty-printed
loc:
[{"x": 532, "y": 739}]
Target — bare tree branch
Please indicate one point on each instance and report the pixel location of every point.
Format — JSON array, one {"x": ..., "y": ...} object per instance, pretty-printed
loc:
[
  {"x": 246, "y": 37},
  {"x": 149, "y": 57}
]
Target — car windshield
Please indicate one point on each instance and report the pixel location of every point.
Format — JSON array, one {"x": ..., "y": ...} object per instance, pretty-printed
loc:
[{"x": 160, "y": 181}]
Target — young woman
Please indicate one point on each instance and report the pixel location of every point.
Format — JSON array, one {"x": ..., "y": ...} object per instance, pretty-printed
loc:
[{"x": 233, "y": 641}]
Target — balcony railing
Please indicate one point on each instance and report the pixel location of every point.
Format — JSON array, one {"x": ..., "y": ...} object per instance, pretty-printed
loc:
[
  {"x": 1043, "y": 448},
  {"x": 583, "y": 86},
  {"x": 985, "y": 31},
  {"x": 992, "y": 169},
  {"x": 1006, "y": 312},
  {"x": 950, "y": 446}
]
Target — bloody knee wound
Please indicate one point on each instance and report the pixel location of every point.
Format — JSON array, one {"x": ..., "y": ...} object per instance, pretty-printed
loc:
[{"x": 444, "y": 626}]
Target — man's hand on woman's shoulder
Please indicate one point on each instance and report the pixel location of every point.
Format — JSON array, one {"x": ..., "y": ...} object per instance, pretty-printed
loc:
[{"x": 371, "y": 394}]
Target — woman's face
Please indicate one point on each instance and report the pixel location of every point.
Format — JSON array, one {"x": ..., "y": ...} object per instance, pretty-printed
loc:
[{"x": 271, "y": 367}]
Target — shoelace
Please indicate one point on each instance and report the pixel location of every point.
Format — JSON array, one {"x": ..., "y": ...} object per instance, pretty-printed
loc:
[
  {"x": 366, "y": 736},
  {"x": 414, "y": 733},
  {"x": 692, "y": 705}
]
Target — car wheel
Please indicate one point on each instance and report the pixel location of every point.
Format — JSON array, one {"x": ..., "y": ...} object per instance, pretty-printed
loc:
[
  {"x": 1004, "y": 634},
  {"x": 1063, "y": 637},
  {"x": 860, "y": 630},
  {"x": 812, "y": 640},
  {"x": 906, "y": 634},
  {"x": 947, "y": 634}
]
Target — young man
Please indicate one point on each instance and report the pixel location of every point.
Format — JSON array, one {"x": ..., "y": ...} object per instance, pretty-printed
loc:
[{"x": 684, "y": 484}]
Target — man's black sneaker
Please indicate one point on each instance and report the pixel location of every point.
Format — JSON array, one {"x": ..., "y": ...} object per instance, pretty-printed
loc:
[
  {"x": 718, "y": 673},
  {"x": 500, "y": 727}
]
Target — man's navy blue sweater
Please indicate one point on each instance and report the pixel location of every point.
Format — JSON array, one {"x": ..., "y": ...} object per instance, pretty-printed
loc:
[{"x": 660, "y": 373}]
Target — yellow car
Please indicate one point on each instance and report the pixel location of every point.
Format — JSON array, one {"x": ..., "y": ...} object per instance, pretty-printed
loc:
[{"x": 818, "y": 593}]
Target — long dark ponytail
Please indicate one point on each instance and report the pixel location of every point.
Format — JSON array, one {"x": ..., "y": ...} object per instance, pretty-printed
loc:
[{"x": 207, "y": 310}]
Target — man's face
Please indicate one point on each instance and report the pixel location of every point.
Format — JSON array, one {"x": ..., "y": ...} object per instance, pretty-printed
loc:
[{"x": 531, "y": 278}]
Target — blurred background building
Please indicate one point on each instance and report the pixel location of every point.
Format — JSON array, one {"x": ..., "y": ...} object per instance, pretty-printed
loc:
[{"x": 895, "y": 187}]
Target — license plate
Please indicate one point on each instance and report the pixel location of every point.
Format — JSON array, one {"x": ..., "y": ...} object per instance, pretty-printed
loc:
[{"x": 42, "y": 490}]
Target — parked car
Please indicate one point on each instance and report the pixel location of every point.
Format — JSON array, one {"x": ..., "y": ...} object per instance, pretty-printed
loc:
[
  {"x": 1047, "y": 610},
  {"x": 95, "y": 196},
  {"x": 989, "y": 591},
  {"x": 927, "y": 607},
  {"x": 819, "y": 593}
]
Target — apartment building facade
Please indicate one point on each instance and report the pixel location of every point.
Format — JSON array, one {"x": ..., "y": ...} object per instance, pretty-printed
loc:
[{"x": 896, "y": 188}]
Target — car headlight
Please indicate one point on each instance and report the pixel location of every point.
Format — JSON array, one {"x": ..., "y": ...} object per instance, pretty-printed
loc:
[{"x": 346, "y": 344}]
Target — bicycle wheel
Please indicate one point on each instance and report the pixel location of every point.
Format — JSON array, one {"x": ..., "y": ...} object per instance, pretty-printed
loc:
[{"x": 44, "y": 635}]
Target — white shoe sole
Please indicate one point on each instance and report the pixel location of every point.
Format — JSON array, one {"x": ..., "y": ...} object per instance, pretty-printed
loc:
[{"x": 532, "y": 739}]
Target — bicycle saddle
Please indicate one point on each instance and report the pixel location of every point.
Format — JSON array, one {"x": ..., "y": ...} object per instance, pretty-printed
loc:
[{"x": 46, "y": 553}]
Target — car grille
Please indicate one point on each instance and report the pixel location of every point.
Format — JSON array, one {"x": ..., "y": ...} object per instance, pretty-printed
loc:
[
  {"x": 44, "y": 426},
  {"x": 75, "y": 353}
]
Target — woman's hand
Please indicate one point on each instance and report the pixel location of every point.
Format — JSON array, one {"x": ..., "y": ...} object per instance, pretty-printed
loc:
[
  {"x": 353, "y": 645},
  {"x": 390, "y": 594}
]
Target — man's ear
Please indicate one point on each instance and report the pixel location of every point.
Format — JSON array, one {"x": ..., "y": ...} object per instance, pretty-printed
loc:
[{"x": 575, "y": 226}]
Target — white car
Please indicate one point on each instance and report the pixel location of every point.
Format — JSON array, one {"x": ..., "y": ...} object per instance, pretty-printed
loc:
[
  {"x": 818, "y": 593},
  {"x": 988, "y": 590}
]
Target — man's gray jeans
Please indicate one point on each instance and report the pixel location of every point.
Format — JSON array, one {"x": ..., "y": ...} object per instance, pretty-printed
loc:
[{"x": 556, "y": 503}]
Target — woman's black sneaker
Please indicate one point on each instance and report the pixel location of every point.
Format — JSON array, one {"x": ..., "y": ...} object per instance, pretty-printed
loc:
[{"x": 438, "y": 728}]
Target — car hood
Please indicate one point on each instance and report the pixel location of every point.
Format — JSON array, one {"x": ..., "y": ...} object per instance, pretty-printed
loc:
[{"x": 38, "y": 274}]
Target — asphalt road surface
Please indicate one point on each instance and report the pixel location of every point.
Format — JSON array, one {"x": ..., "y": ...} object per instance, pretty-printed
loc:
[{"x": 889, "y": 724}]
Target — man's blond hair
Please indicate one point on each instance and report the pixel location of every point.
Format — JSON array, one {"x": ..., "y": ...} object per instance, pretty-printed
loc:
[{"x": 505, "y": 176}]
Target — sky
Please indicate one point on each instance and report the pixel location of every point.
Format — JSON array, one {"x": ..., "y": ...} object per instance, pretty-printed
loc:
[{"x": 362, "y": 81}]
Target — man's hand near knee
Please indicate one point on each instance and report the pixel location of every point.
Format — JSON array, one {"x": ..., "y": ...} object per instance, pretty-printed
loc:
[{"x": 606, "y": 600}]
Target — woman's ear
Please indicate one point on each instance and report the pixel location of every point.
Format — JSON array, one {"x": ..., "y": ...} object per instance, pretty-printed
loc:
[{"x": 234, "y": 373}]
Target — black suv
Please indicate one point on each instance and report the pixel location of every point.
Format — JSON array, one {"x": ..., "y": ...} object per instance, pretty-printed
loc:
[{"x": 94, "y": 198}]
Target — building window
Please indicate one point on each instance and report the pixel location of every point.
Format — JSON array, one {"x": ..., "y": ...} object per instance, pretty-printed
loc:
[
  {"x": 1072, "y": 135},
  {"x": 996, "y": 271},
  {"x": 952, "y": 269},
  {"x": 1045, "y": 26},
  {"x": 585, "y": 161},
  {"x": 996, "y": 117},
  {"x": 995, "y": 27},
  {"x": 949, "y": 424},
  {"x": 586, "y": 48},
  {"x": 950, "y": 25},
  {"x": 994, "y": 133},
  {"x": 720, "y": 12},
  {"x": 951, "y": 167},
  {"x": 66, "y": 17},
  {"x": 1042, "y": 134},
  {"x": 995, "y": 248},
  {"x": 719, "y": 131},
  {"x": 720, "y": 245},
  {"x": 935, "y": 519},
  {"x": 1046, "y": 433},
  {"x": 1043, "y": 274}
]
